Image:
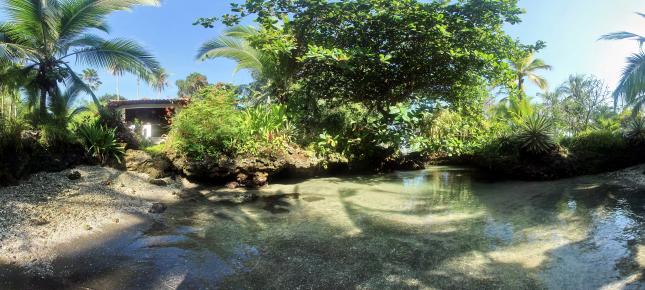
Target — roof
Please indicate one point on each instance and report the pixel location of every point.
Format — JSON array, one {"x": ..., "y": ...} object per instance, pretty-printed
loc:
[{"x": 121, "y": 103}]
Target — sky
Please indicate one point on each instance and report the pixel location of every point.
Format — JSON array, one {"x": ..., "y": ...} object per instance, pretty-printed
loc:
[{"x": 570, "y": 28}]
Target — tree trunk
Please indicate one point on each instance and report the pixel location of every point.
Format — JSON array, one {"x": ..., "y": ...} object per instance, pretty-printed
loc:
[
  {"x": 42, "y": 109},
  {"x": 520, "y": 86}
]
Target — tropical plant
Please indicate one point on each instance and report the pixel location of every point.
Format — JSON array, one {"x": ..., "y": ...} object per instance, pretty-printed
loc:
[
  {"x": 526, "y": 67},
  {"x": 266, "y": 53},
  {"x": 266, "y": 127},
  {"x": 208, "y": 127},
  {"x": 100, "y": 142},
  {"x": 581, "y": 100},
  {"x": 535, "y": 135},
  {"x": 191, "y": 85},
  {"x": 10, "y": 135},
  {"x": 631, "y": 86},
  {"x": 635, "y": 132},
  {"x": 61, "y": 106},
  {"x": 91, "y": 78},
  {"x": 45, "y": 35},
  {"x": 160, "y": 81}
]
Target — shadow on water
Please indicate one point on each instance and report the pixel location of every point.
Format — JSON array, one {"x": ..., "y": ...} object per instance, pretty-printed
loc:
[{"x": 414, "y": 230}]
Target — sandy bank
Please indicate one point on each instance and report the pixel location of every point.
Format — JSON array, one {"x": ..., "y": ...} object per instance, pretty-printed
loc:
[{"x": 45, "y": 213}]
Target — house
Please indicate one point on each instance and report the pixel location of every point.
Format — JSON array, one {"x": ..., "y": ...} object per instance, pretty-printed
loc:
[{"x": 150, "y": 118}]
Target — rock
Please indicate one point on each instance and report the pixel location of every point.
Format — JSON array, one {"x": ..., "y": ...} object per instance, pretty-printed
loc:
[
  {"x": 232, "y": 185},
  {"x": 157, "y": 207},
  {"x": 241, "y": 178},
  {"x": 260, "y": 179},
  {"x": 141, "y": 161},
  {"x": 74, "y": 175},
  {"x": 87, "y": 227},
  {"x": 158, "y": 182}
]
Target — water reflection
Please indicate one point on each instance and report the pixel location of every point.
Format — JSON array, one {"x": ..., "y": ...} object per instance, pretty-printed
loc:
[{"x": 435, "y": 228}]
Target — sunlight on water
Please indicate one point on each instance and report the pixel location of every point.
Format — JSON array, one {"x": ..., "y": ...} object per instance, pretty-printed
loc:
[{"x": 432, "y": 229}]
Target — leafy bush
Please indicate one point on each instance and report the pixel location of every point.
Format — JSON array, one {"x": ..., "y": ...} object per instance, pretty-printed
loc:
[
  {"x": 10, "y": 132},
  {"x": 55, "y": 136},
  {"x": 535, "y": 135},
  {"x": 265, "y": 127},
  {"x": 100, "y": 142},
  {"x": 209, "y": 126},
  {"x": 635, "y": 132},
  {"x": 599, "y": 141}
]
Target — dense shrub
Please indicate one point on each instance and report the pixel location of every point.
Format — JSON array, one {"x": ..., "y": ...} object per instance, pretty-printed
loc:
[
  {"x": 100, "y": 142},
  {"x": 264, "y": 128},
  {"x": 635, "y": 133},
  {"x": 213, "y": 125},
  {"x": 534, "y": 135},
  {"x": 599, "y": 141},
  {"x": 208, "y": 126},
  {"x": 10, "y": 132}
]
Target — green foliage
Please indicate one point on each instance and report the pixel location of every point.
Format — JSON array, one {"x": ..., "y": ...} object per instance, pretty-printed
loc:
[
  {"x": 207, "y": 127},
  {"x": 100, "y": 142},
  {"x": 212, "y": 125},
  {"x": 266, "y": 128},
  {"x": 597, "y": 141},
  {"x": 10, "y": 135},
  {"x": 454, "y": 133},
  {"x": 193, "y": 83},
  {"x": 535, "y": 135},
  {"x": 155, "y": 150},
  {"x": 631, "y": 86},
  {"x": 636, "y": 131},
  {"x": 43, "y": 37}
]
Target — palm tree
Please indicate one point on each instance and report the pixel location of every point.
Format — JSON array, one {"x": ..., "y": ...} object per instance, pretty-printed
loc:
[
  {"x": 160, "y": 82},
  {"x": 527, "y": 67},
  {"x": 191, "y": 85},
  {"x": 631, "y": 87},
  {"x": 47, "y": 34},
  {"x": 10, "y": 83},
  {"x": 91, "y": 78},
  {"x": 116, "y": 73},
  {"x": 61, "y": 105},
  {"x": 274, "y": 71}
]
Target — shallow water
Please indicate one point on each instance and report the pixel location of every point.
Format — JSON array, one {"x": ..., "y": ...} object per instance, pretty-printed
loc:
[{"x": 431, "y": 229}]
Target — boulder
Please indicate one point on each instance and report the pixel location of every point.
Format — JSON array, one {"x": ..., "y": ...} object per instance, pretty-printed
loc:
[
  {"x": 260, "y": 179},
  {"x": 232, "y": 185},
  {"x": 141, "y": 161},
  {"x": 158, "y": 182},
  {"x": 157, "y": 207},
  {"x": 74, "y": 175}
]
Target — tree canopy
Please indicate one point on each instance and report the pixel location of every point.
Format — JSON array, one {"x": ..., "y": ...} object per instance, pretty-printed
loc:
[{"x": 382, "y": 52}]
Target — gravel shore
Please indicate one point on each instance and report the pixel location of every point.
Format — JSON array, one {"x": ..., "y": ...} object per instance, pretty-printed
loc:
[{"x": 48, "y": 211}]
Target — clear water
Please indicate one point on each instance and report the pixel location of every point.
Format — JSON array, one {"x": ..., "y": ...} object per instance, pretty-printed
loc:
[{"x": 431, "y": 229}]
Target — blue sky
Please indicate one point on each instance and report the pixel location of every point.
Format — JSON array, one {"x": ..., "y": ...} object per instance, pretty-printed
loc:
[{"x": 569, "y": 27}]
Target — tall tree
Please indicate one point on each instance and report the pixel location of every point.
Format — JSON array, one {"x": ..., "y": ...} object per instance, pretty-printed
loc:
[
  {"x": 91, "y": 78},
  {"x": 191, "y": 85},
  {"x": 631, "y": 86},
  {"x": 381, "y": 53},
  {"x": 527, "y": 66},
  {"x": 160, "y": 82},
  {"x": 47, "y": 34},
  {"x": 581, "y": 98}
]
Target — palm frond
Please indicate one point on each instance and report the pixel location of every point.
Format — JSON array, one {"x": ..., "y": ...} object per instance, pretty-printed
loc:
[
  {"x": 77, "y": 16},
  {"x": 232, "y": 48},
  {"x": 124, "y": 55},
  {"x": 624, "y": 35},
  {"x": 539, "y": 81},
  {"x": 632, "y": 83}
]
